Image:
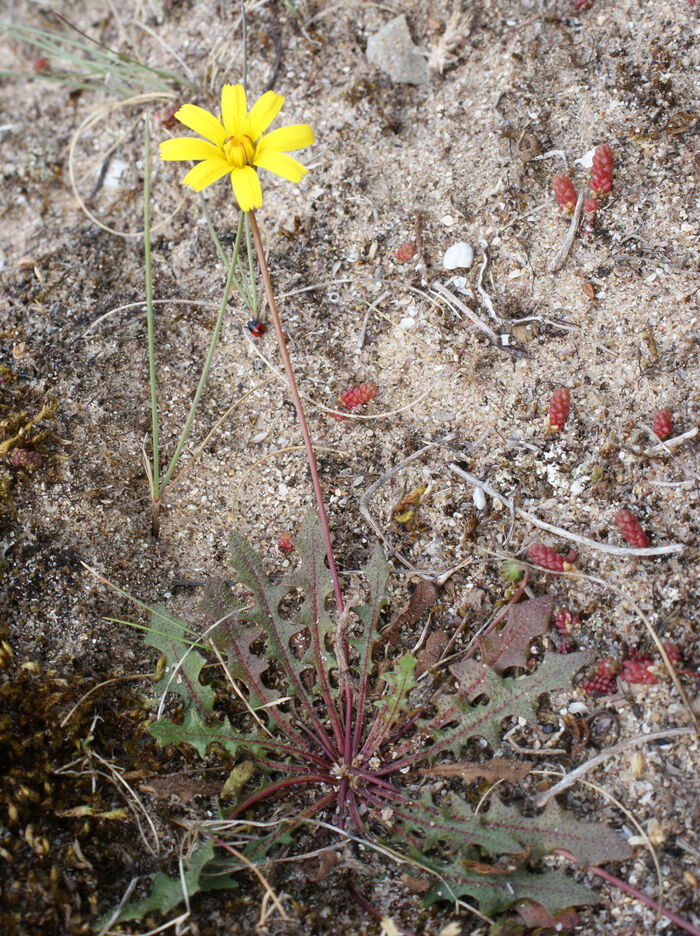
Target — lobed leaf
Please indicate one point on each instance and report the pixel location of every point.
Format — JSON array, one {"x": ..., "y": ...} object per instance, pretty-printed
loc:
[
  {"x": 168, "y": 634},
  {"x": 459, "y": 720},
  {"x": 510, "y": 646},
  {"x": 167, "y": 892},
  {"x": 554, "y": 890}
]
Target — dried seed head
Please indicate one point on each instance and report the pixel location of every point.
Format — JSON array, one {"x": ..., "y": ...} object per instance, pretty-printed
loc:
[{"x": 564, "y": 192}]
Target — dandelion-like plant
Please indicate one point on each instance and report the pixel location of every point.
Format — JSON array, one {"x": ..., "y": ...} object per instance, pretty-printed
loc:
[
  {"x": 330, "y": 733},
  {"x": 235, "y": 144}
]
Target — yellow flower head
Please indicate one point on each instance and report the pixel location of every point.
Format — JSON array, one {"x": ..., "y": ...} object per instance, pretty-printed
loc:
[{"x": 234, "y": 144}]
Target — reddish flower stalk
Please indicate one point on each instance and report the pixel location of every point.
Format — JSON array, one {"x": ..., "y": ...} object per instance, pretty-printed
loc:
[{"x": 310, "y": 457}]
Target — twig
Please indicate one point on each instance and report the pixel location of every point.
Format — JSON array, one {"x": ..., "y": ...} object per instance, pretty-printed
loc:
[
  {"x": 672, "y": 443},
  {"x": 558, "y": 531},
  {"x": 472, "y": 316},
  {"x": 560, "y": 258},
  {"x": 363, "y": 330},
  {"x": 543, "y": 798},
  {"x": 637, "y": 894},
  {"x": 485, "y": 298}
]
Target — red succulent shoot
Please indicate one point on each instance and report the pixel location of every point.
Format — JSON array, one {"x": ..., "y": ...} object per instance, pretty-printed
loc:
[
  {"x": 359, "y": 395},
  {"x": 631, "y": 529},
  {"x": 564, "y": 192},
  {"x": 602, "y": 170},
  {"x": 406, "y": 252},
  {"x": 285, "y": 544},
  {"x": 663, "y": 423},
  {"x": 558, "y": 409},
  {"x": 547, "y": 558}
]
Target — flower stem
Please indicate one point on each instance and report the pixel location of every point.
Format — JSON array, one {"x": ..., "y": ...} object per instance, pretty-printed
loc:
[
  {"x": 281, "y": 341},
  {"x": 149, "y": 297},
  {"x": 251, "y": 269},
  {"x": 207, "y": 364}
]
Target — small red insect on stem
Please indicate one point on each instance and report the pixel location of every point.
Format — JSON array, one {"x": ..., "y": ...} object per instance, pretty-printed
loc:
[
  {"x": 663, "y": 423},
  {"x": 559, "y": 407},
  {"x": 564, "y": 192},
  {"x": 602, "y": 170},
  {"x": 631, "y": 529}
]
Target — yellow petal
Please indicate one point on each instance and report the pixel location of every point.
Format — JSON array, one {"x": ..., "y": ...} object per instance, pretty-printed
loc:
[
  {"x": 205, "y": 173},
  {"x": 294, "y": 137},
  {"x": 246, "y": 188},
  {"x": 234, "y": 109},
  {"x": 281, "y": 165},
  {"x": 189, "y": 148},
  {"x": 263, "y": 112},
  {"x": 202, "y": 122}
]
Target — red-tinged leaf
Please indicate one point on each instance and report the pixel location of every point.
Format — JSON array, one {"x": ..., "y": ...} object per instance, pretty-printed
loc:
[
  {"x": 431, "y": 652},
  {"x": 534, "y": 916},
  {"x": 510, "y": 646},
  {"x": 498, "y": 768},
  {"x": 553, "y": 889},
  {"x": 458, "y": 720},
  {"x": 504, "y": 831}
]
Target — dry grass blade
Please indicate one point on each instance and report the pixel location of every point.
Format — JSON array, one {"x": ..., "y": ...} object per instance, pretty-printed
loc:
[{"x": 563, "y": 253}]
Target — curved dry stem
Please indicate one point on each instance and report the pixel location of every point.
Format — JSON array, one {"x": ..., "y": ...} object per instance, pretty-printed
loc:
[{"x": 90, "y": 121}]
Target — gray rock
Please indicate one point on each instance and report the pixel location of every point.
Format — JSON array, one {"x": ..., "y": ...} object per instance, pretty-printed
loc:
[{"x": 392, "y": 50}]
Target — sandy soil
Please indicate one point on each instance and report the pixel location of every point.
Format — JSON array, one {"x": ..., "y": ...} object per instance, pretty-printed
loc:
[{"x": 467, "y": 157}]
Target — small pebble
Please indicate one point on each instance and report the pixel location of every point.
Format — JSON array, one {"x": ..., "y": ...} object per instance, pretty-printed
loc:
[
  {"x": 479, "y": 498},
  {"x": 458, "y": 257},
  {"x": 407, "y": 323}
]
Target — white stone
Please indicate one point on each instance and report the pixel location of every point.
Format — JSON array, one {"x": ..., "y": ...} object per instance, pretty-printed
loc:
[
  {"x": 458, "y": 257},
  {"x": 407, "y": 323},
  {"x": 586, "y": 160},
  {"x": 393, "y": 51},
  {"x": 479, "y": 498}
]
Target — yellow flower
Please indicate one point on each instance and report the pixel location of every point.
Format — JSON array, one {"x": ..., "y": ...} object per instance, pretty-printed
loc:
[{"x": 234, "y": 144}]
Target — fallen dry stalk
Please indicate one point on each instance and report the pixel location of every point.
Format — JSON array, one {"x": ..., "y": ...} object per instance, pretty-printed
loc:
[
  {"x": 558, "y": 531},
  {"x": 573, "y": 776}
]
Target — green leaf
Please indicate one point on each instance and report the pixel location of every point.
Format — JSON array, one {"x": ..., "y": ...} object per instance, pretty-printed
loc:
[
  {"x": 496, "y": 892},
  {"x": 504, "y": 830},
  {"x": 168, "y": 892},
  {"x": 402, "y": 679},
  {"x": 377, "y": 572},
  {"x": 200, "y": 734},
  {"x": 458, "y": 720},
  {"x": 167, "y": 634}
]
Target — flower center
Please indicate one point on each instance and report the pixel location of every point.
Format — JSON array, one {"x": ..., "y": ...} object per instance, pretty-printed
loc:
[{"x": 239, "y": 150}]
